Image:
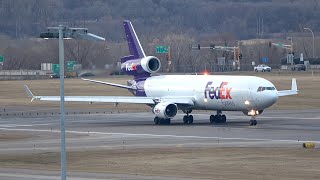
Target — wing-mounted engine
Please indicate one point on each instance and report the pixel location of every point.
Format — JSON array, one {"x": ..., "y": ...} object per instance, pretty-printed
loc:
[{"x": 165, "y": 110}]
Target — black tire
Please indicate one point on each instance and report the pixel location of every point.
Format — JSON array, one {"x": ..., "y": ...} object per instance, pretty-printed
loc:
[
  {"x": 251, "y": 123},
  {"x": 190, "y": 118},
  {"x": 156, "y": 120},
  {"x": 212, "y": 119},
  {"x": 255, "y": 122},
  {"x": 185, "y": 119},
  {"x": 217, "y": 118},
  {"x": 223, "y": 119}
]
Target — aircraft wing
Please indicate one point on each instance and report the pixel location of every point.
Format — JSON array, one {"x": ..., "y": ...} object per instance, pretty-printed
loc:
[
  {"x": 293, "y": 91},
  {"x": 113, "y": 99}
]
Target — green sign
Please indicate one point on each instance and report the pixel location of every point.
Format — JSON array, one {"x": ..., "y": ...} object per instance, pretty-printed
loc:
[
  {"x": 70, "y": 65},
  {"x": 280, "y": 45},
  {"x": 1, "y": 59},
  {"x": 56, "y": 69},
  {"x": 162, "y": 49}
]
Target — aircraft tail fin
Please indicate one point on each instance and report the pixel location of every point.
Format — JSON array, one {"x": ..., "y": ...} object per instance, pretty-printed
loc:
[
  {"x": 137, "y": 63},
  {"x": 135, "y": 48}
]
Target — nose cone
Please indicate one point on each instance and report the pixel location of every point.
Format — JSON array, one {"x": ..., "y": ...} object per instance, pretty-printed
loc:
[{"x": 270, "y": 98}]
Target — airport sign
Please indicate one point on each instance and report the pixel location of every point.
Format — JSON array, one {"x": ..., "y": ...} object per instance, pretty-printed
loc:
[
  {"x": 1, "y": 59},
  {"x": 56, "y": 68},
  {"x": 162, "y": 49},
  {"x": 70, "y": 65}
]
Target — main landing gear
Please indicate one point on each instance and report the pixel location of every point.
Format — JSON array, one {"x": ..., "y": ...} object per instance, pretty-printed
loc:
[
  {"x": 159, "y": 121},
  {"x": 187, "y": 119},
  {"x": 218, "y": 118}
]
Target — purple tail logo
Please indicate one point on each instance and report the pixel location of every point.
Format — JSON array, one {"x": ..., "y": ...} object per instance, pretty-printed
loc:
[{"x": 220, "y": 92}]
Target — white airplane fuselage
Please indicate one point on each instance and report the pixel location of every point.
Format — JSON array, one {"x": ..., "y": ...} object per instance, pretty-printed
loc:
[{"x": 215, "y": 92}]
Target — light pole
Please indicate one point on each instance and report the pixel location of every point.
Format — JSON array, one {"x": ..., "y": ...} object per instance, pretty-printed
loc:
[
  {"x": 63, "y": 32},
  {"x": 312, "y": 40}
]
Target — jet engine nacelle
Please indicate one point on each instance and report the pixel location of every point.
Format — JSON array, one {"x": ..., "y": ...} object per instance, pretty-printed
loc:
[
  {"x": 150, "y": 64},
  {"x": 252, "y": 112},
  {"x": 165, "y": 110}
]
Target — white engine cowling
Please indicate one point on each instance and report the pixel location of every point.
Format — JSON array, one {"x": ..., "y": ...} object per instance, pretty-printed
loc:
[
  {"x": 150, "y": 64},
  {"x": 165, "y": 110}
]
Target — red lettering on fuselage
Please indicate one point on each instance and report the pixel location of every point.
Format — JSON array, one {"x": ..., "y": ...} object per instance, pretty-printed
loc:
[{"x": 220, "y": 92}]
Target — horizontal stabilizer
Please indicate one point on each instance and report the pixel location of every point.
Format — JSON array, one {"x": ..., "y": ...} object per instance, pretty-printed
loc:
[
  {"x": 294, "y": 89},
  {"x": 110, "y": 84}
]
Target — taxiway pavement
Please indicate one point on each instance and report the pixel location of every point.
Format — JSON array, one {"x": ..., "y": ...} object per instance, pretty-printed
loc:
[{"x": 276, "y": 128}]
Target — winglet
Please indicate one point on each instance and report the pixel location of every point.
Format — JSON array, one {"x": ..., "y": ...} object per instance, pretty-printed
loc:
[
  {"x": 29, "y": 93},
  {"x": 294, "y": 86}
]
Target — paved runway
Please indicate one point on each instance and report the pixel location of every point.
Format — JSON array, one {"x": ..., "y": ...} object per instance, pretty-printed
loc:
[{"x": 276, "y": 128}]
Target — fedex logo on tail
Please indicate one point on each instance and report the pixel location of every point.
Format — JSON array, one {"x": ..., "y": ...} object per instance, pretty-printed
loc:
[
  {"x": 221, "y": 92},
  {"x": 131, "y": 67}
]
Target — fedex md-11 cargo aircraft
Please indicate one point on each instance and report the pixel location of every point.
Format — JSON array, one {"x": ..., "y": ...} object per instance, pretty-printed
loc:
[{"x": 169, "y": 93}]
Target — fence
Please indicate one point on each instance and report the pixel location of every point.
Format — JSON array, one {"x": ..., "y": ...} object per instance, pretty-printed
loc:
[{"x": 23, "y": 74}]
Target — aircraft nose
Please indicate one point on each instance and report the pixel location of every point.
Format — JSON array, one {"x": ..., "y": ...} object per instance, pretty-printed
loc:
[{"x": 272, "y": 98}]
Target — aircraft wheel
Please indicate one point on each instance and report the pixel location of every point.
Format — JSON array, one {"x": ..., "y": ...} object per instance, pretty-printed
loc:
[
  {"x": 212, "y": 119},
  {"x": 217, "y": 118},
  {"x": 156, "y": 120},
  {"x": 190, "y": 118},
  {"x": 255, "y": 122},
  {"x": 185, "y": 119},
  {"x": 223, "y": 118}
]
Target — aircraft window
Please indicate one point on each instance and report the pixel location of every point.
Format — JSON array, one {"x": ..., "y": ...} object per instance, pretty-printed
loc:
[{"x": 265, "y": 88}]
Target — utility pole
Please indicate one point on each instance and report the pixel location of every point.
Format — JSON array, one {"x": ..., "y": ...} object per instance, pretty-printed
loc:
[
  {"x": 312, "y": 40},
  {"x": 62, "y": 32}
]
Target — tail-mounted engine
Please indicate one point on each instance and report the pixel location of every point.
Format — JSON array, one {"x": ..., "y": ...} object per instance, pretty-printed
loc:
[
  {"x": 146, "y": 65},
  {"x": 165, "y": 110}
]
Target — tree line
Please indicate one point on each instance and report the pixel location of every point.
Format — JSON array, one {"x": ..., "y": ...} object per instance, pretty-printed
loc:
[{"x": 175, "y": 23}]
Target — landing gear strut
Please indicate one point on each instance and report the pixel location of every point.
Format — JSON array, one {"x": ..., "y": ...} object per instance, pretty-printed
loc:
[
  {"x": 159, "y": 121},
  {"x": 218, "y": 118},
  {"x": 187, "y": 119}
]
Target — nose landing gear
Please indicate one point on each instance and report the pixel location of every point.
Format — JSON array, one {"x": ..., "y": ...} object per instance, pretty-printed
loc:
[{"x": 253, "y": 122}]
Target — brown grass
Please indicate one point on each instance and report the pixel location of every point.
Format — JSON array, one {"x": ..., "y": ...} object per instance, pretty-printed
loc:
[
  {"x": 221, "y": 163},
  {"x": 13, "y": 94}
]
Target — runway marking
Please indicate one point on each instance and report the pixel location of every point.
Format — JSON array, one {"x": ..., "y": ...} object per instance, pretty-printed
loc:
[
  {"x": 22, "y": 125},
  {"x": 34, "y": 176},
  {"x": 161, "y": 135},
  {"x": 269, "y": 117}
]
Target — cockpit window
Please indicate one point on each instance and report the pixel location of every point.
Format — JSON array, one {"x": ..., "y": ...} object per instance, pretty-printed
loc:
[{"x": 261, "y": 88}]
